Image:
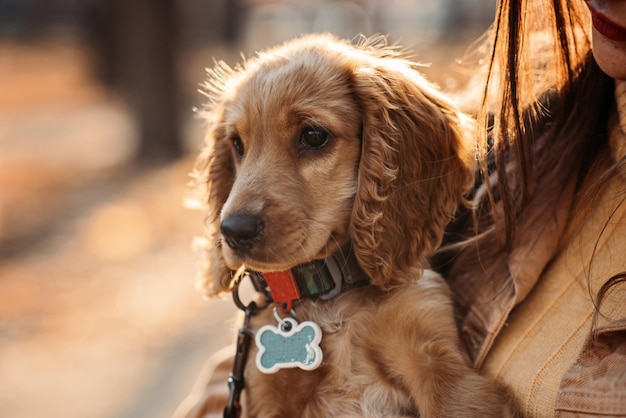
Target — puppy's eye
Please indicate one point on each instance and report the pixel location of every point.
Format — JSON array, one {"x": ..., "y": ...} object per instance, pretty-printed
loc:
[
  {"x": 314, "y": 138},
  {"x": 237, "y": 145}
]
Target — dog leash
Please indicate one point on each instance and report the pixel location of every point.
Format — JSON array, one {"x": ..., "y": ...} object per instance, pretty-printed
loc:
[{"x": 236, "y": 381}]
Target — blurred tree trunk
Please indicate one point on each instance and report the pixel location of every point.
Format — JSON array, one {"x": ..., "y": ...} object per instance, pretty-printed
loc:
[
  {"x": 234, "y": 10},
  {"x": 138, "y": 39}
]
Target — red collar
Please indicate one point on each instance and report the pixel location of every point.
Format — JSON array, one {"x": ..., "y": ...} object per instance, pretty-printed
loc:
[{"x": 322, "y": 279}]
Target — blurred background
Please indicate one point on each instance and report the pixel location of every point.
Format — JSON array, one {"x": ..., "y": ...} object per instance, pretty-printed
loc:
[{"x": 99, "y": 314}]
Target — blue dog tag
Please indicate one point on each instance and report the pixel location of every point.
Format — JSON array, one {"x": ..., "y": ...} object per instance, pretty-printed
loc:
[{"x": 288, "y": 345}]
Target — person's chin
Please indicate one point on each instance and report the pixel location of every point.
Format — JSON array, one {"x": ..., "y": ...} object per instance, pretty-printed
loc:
[{"x": 610, "y": 55}]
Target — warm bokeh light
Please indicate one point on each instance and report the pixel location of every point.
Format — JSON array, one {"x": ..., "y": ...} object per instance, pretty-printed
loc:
[{"x": 118, "y": 232}]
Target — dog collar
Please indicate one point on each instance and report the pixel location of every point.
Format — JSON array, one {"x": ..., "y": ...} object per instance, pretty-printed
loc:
[{"x": 322, "y": 279}]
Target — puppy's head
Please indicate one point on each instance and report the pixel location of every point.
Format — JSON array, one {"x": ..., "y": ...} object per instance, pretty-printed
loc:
[{"x": 316, "y": 143}]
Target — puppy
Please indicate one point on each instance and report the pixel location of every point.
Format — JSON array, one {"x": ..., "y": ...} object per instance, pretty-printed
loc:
[{"x": 340, "y": 165}]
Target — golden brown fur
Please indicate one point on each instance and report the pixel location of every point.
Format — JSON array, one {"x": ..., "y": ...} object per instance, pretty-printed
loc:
[{"x": 398, "y": 162}]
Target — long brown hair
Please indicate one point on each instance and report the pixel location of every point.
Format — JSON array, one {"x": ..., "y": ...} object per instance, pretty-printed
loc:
[
  {"x": 543, "y": 122},
  {"x": 541, "y": 79}
]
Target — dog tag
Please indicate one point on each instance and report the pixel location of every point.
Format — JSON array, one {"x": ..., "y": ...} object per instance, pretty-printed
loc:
[{"x": 288, "y": 345}]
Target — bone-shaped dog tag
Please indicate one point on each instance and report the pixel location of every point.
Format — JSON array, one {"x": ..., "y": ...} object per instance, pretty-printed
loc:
[{"x": 288, "y": 345}]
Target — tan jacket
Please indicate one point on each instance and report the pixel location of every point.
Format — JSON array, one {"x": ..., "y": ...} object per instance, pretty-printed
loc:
[{"x": 532, "y": 330}]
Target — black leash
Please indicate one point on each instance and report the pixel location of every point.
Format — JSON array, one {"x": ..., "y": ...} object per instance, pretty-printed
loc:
[{"x": 236, "y": 381}]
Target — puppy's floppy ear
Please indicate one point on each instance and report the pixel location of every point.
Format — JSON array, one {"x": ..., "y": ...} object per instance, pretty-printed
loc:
[
  {"x": 416, "y": 165},
  {"x": 214, "y": 175}
]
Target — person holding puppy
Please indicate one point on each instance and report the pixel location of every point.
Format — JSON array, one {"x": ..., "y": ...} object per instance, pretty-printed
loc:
[
  {"x": 538, "y": 265},
  {"x": 541, "y": 280}
]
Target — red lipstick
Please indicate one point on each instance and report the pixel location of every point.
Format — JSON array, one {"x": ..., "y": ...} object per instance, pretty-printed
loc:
[{"x": 607, "y": 27}]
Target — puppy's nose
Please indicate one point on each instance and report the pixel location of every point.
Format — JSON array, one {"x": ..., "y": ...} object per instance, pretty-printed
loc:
[{"x": 241, "y": 231}]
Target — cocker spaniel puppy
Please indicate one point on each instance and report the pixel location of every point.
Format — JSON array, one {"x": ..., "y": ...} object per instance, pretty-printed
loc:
[{"x": 332, "y": 170}]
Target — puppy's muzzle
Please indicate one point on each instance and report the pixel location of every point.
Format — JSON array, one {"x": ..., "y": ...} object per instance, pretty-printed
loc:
[{"x": 242, "y": 231}]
